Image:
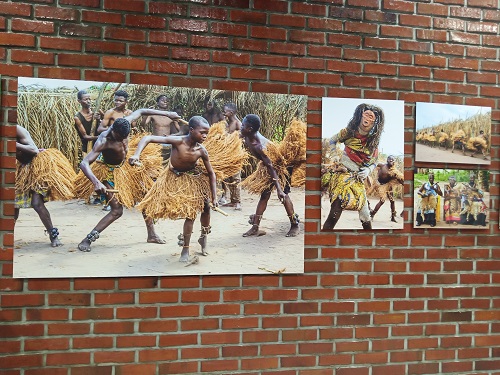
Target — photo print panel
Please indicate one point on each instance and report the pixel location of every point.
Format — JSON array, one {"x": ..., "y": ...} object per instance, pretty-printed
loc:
[
  {"x": 362, "y": 164},
  {"x": 142, "y": 180},
  {"x": 451, "y": 198},
  {"x": 453, "y": 134}
]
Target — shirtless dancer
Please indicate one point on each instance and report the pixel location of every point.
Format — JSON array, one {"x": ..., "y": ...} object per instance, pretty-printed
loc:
[
  {"x": 256, "y": 145},
  {"x": 183, "y": 182},
  {"x": 212, "y": 114},
  {"x": 111, "y": 147},
  {"x": 162, "y": 125},
  {"x": 232, "y": 184},
  {"x": 387, "y": 178},
  {"x": 120, "y": 111},
  {"x": 26, "y": 151}
]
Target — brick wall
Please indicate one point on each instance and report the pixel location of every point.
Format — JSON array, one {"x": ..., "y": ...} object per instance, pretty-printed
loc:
[{"x": 407, "y": 302}]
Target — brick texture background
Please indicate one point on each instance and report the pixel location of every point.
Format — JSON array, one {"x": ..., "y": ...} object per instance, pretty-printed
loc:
[{"x": 406, "y": 302}]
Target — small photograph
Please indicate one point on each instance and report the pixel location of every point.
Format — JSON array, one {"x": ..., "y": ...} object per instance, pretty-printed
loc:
[
  {"x": 453, "y": 134},
  {"x": 362, "y": 171},
  {"x": 117, "y": 180},
  {"x": 451, "y": 198}
]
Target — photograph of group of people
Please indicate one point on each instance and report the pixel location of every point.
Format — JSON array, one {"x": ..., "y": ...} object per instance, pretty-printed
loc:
[
  {"x": 451, "y": 198},
  {"x": 363, "y": 165},
  {"x": 215, "y": 177},
  {"x": 452, "y": 134}
]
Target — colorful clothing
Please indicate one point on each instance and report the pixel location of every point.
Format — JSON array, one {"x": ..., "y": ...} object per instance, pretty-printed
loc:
[
  {"x": 355, "y": 147},
  {"x": 428, "y": 202},
  {"x": 346, "y": 187},
  {"x": 452, "y": 204}
]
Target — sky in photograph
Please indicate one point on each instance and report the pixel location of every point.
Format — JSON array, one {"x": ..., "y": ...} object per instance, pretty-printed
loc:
[
  {"x": 57, "y": 83},
  {"x": 336, "y": 113},
  {"x": 430, "y": 114}
]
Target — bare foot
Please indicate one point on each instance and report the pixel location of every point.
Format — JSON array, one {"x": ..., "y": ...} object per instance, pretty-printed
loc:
[
  {"x": 156, "y": 239},
  {"x": 55, "y": 242},
  {"x": 184, "y": 255},
  {"x": 203, "y": 242},
  {"x": 254, "y": 231},
  {"x": 84, "y": 245},
  {"x": 294, "y": 230}
]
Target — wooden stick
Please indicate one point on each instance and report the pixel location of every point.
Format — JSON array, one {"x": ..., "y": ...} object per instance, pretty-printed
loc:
[
  {"x": 219, "y": 210},
  {"x": 97, "y": 108},
  {"x": 182, "y": 121},
  {"x": 112, "y": 191}
]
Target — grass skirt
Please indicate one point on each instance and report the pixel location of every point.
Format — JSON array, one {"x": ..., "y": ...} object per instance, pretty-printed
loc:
[
  {"x": 49, "y": 171},
  {"x": 177, "y": 196},
  {"x": 346, "y": 187},
  {"x": 226, "y": 152},
  {"x": 476, "y": 143},
  {"x": 260, "y": 180},
  {"x": 132, "y": 182},
  {"x": 182, "y": 195},
  {"x": 290, "y": 152},
  {"x": 382, "y": 191}
]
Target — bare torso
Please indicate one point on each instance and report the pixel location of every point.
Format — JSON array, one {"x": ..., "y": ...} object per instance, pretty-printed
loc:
[
  {"x": 26, "y": 148},
  {"x": 113, "y": 152},
  {"x": 384, "y": 175},
  {"x": 256, "y": 145},
  {"x": 161, "y": 125},
  {"x": 233, "y": 125},
  {"x": 184, "y": 156}
]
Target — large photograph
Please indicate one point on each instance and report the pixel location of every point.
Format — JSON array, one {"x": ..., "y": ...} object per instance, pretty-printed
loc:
[
  {"x": 453, "y": 134},
  {"x": 451, "y": 198},
  {"x": 362, "y": 175},
  {"x": 141, "y": 180}
]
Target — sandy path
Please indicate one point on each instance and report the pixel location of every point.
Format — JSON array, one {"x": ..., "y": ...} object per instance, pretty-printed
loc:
[
  {"x": 425, "y": 153},
  {"x": 122, "y": 249},
  {"x": 350, "y": 219}
]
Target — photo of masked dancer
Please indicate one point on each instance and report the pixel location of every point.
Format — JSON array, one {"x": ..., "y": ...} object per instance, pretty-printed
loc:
[{"x": 348, "y": 173}]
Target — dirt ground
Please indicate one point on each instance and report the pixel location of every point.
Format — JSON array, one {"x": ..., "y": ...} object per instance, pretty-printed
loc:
[
  {"x": 122, "y": 249},
  {"x": 350, "y": 219},
  {"x": 425, "y": 153},
  {"x": 440, "y": 222}
]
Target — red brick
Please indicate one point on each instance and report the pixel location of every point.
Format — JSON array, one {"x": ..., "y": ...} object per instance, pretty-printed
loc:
[
  {"x": 79, "y": 30},
  {"x": 60, "y": 43},
  {"x": 49, "y": 12},
  {"x": 125, "y": 34},
  {"x": 83, "y": 3},
  {"x": 22, "y": 361},
  {"x": 107, "y": 17},
  {"x": 188, "y": 25},
  {"x": 149, "y": 22},
  {"x": 21, "y": 40},
  {"x": 125, "y": 5},
  {"x": 110, "y": 357},
  {"x": 22, "y": 25},
  {"x": 78, "y": 60}
]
